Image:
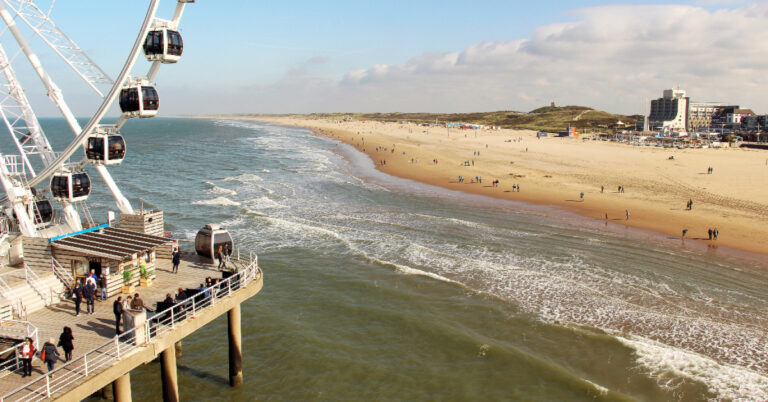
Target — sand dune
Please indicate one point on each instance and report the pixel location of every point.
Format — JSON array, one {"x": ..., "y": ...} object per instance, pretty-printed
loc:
[{"x": 554, "y": 171}]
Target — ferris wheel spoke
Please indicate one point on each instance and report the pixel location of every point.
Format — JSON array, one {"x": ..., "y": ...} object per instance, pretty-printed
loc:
[
  {"x": 20, "y": 119},
  {"x": 41, "y": 23}
]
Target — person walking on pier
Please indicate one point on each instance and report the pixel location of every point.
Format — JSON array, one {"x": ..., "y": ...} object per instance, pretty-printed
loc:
[
  {"x": 176, "y": 260},
  {"x": 50, "y": 355},
  {"x": 117, "y": 309},
  {"x": 90, "y": 296},
  {"x": 79, "y": 292},
  {"x": 27, "y": 352},
  {"x": 65, "y": 341},
  {"x": 220, "y": 255}
]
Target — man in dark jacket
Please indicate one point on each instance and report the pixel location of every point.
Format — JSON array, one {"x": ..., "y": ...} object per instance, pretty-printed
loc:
[
  {"x": 117, "y": 308},
  {"x": 176, "y": 260},
  {"x": 79, "y": 292},
  {"x": 90, "y": 295}
]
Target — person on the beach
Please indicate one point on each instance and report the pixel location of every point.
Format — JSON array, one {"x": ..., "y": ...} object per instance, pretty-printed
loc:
[
  {"x": 581, "y": 196},
  {"x": 627, "y": 211},
  {"x": 715, "y": 233},
  {"x": 606, "y": 216},
  {"x": 602, "y": 188},
  {"x": 685, "y": 231},
  {"x": 709, "y": 232}
]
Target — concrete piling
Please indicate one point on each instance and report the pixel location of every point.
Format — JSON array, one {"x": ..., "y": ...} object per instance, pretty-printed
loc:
[
  {"x": 122, "y": 388},
  {"x": 235, "y": 349},
  {"x": 169, "y": 375}
]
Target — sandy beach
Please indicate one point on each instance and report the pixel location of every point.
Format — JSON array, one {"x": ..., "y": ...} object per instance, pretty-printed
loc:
[{"x": 555, "y": 171}]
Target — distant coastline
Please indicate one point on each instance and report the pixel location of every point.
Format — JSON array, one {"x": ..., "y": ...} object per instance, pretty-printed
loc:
[{"x": 555, "y": 171}]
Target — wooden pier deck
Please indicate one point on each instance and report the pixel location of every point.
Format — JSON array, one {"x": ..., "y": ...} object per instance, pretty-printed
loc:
[{"x": 93, "y": 330}]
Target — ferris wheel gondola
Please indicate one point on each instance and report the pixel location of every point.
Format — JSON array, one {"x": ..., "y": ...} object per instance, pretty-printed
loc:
[
  {"x": 39, "y": 211},
  {"x": 164, "y": 45},
  {"x": 106, "y": 147},
  {"x": 70, "y": 186},
  {"x": 139, "y": 100}
]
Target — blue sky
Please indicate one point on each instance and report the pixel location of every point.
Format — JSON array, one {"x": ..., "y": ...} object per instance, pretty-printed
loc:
[{"x": 453, "y": 56}]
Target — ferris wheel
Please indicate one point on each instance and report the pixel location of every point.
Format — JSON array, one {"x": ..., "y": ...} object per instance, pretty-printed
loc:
[{"x": 27, "y": 207}]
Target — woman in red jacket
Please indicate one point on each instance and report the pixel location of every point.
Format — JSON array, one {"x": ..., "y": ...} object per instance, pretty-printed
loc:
[{"x": 27, "y": 353}]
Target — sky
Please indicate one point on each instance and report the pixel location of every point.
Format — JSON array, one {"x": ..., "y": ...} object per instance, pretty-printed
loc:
[{"x": 422, "y": 56}]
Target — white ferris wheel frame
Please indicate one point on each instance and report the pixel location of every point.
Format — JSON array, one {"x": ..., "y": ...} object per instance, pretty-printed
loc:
[{"x": 29, "y": 138}]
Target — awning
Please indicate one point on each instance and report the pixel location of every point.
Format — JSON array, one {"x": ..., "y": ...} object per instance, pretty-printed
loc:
[{"x": 112, "y": 243}]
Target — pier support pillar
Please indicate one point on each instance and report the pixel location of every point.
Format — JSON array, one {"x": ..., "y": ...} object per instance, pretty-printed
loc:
[
  {"x": 122, "y": 387},
  {"x": 170, "y": 379},
  {"x": 178, "y": 350},
  {"x": 108, "y": 393},
  {"x": 235, "y": 350}
]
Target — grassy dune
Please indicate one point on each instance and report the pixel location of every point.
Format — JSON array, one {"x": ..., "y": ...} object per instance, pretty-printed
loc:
[{"x": 545, "y": 119}]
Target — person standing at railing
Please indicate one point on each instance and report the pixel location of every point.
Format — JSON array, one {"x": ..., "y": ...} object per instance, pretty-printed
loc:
[
  {"x": 65, "y": 341},
  {"x": 127, "y": 317},
  {"x": 50, "y": 355},
  {"x": 79, "y": 292},
  {"x": 27, "y": 352},
  {"x": 117, "y": 309}
]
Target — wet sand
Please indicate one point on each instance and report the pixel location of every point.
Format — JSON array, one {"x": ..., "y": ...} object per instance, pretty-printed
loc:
[{"x": 555, "y": 171}]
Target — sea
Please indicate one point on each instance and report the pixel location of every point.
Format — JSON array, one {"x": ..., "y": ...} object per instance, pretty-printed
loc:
[{"x": 380, "y": 288}]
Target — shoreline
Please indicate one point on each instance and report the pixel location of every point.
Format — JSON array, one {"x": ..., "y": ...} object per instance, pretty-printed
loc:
[{"x": 553, "y": 172}]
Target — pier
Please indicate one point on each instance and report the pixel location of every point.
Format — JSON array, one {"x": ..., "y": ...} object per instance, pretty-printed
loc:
[{"x": 102, "y": 360}]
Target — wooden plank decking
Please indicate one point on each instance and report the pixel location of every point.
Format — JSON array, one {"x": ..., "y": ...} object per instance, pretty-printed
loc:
[{"x": 91, "y": 331}]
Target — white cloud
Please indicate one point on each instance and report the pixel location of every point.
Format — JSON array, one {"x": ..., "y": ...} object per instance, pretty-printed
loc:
[{"x": 609, "y": 57}]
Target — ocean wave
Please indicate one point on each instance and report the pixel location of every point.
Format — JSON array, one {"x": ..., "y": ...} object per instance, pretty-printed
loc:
[
  {"x": 264, "y": 203},
  {"x": 217, "y": 201},
  {"x": 728, "y": 382},
  {"x": 213, "y": 188},
  {"x": 245, "y": 178}
]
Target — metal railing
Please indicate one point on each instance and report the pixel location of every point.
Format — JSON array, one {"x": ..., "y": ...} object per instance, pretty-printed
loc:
[
  {"x": 125, "y": 344},
  {"x": 16, "y": 330},
  {"x": 64, "y": 276},
  {"x": 34, "y": 281},
  {"x": 16, "y": 303}
]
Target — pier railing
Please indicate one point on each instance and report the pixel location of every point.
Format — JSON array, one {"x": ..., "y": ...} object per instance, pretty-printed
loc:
[
  {"x": 16, "y": 303},
  {"x": 34, "y": 281},
  {"x": 125, "y": 344},
  {"x": 16, "y": 330}
]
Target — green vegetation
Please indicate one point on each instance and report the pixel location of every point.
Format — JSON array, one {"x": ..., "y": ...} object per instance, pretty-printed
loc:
[
  {"x": 550, "y": 118},
  {"x": 127, "y": 276}
]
